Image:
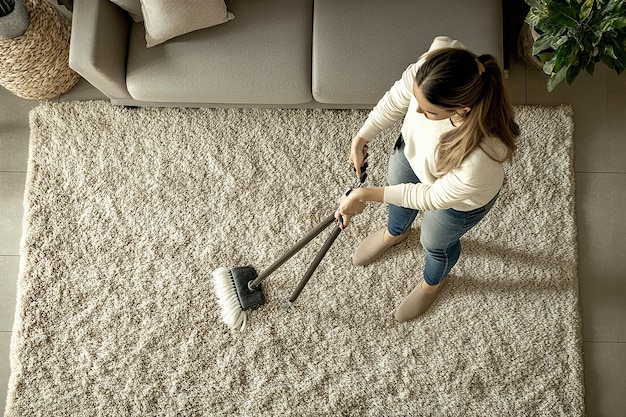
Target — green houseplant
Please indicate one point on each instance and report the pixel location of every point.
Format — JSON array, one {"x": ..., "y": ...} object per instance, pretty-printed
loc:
[{"x": 574, "y": 35}]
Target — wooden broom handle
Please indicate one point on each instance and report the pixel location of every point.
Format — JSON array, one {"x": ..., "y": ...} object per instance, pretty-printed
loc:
[
  {"x": 295, "y": 249},
  {"x": 314, "y": 264}
]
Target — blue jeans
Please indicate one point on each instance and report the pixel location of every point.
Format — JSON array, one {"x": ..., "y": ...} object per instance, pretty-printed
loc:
[{"x": 441, "y": 229}]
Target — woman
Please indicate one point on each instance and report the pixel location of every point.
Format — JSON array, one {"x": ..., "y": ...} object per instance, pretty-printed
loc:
[{"x": 458, "y": 130}]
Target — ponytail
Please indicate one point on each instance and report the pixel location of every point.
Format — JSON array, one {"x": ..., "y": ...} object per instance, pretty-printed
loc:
[
  {"x": 455, "y": 78},
  {"x": 495, "y": 116}
]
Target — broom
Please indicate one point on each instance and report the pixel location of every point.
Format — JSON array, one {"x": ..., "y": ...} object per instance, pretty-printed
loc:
[{"x": 238, "y": 289}]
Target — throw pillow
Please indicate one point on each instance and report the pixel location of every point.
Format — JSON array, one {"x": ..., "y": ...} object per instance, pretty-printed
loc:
[
  {"x": 133, "y": 7},
  {"x": 166, "y": 19}
]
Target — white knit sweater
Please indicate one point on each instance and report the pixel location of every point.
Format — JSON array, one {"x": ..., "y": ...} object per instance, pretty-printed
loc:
[{"x": 465, "y": 188}]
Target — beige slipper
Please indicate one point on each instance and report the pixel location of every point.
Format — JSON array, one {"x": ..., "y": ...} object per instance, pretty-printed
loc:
[
  {"x": 417, "y": 302},
  {"x": 374, "y": 246}
]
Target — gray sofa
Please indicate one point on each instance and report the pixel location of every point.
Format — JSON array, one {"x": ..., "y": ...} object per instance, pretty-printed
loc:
[{"x": 275, "y": 53}]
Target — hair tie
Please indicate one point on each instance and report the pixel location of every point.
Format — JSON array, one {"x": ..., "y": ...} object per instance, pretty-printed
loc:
[{"x": 481, "y": 67}]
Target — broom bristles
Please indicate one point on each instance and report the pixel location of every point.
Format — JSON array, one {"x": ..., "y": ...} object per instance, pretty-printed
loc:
[{"x": 232, "y": 313}]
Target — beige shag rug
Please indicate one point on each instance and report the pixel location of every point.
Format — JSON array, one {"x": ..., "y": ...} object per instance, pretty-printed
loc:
[{"x": 128, "y": 212}]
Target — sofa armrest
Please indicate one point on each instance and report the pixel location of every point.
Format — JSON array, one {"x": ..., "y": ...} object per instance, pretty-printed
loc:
[{"x": 99, "y": 45}]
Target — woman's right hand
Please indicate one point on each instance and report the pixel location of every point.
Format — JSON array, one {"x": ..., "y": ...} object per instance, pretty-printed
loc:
[{"x": 358, "y": 151}]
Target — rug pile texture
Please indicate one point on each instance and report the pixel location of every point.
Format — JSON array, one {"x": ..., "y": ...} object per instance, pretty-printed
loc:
[{"x": 128, "y": 212}]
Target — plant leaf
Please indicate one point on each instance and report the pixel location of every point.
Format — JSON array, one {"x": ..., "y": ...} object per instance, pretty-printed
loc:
[
  {"x": 608, "y": 62},
  {"x": 608, "y": 51},
  {"x": 548, "y": 61},
  {"x": 557, "y": 78},
  {"x": 590, "y": 67},
  {"x": 585, "y": 10},
  {"x": 608, "y": 25},
  {"x": 535, "y": 4},
  {"x": 533, "y": 18},
  {"x": 610, "y": 7},
  {"x": 564, "y": 56},
  {"x": 596, "y": 37},
  {"x": 620, "y": 52},
  {"x": 572, "y": 73},
  {"x": 548, "y": 66},
  {"x": 543, "y": 42},
  {"x": 562, "y": 14}
]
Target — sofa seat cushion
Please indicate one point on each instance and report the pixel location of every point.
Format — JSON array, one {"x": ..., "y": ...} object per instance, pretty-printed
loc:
[
  {"x": 358, "y": 53},
  {"x": 263, "y": 56}
]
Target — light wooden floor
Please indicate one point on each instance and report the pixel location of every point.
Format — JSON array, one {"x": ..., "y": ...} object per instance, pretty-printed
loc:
[{"x": 600, "y": 116}]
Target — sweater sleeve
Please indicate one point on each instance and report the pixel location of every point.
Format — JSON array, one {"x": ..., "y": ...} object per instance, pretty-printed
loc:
[
  {"x": 442, "y": 194},
  {"x": 391, "y": 107},
  {"x": 478, "y": 178}
]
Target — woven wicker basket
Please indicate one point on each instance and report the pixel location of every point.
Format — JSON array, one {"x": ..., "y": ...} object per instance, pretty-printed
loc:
[{"x": 36, "y": 64}]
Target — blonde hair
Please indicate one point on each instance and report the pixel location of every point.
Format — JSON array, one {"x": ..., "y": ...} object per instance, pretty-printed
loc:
[{"x": 456, "y": 78}]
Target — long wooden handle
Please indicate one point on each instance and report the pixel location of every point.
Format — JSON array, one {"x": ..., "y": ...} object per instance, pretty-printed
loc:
[
  {"x": 295, "y": 249},
  {"x": 315, "y": 264}
]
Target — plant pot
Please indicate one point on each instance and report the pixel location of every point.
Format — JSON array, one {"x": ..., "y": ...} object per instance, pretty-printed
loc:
[
  {"x": 15, "y": 23},
  {"x": 35, "y": 65},
  {"x": 526, "y": 38}
]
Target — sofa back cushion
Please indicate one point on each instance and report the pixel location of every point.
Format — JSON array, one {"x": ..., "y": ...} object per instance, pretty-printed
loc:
[
  {"x": 261, "y": 57},
  {"x": 360, "y": 47}
]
